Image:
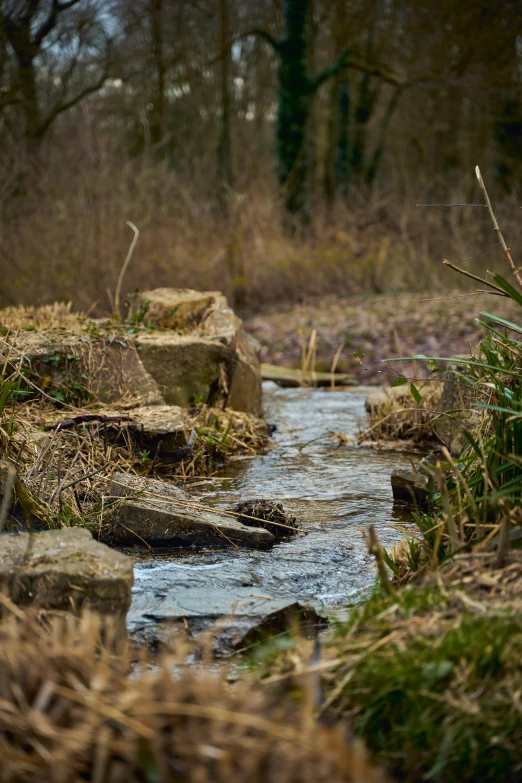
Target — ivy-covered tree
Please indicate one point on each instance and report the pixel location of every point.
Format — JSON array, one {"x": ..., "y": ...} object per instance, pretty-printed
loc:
[{"x": 297, "y": 87}]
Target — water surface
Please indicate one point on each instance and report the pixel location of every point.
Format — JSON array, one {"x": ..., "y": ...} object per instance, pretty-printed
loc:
[{"x": 334, "y": 489}]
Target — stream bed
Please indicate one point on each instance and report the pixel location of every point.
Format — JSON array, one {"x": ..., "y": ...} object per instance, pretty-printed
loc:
[{"x": 334, "y": 489}]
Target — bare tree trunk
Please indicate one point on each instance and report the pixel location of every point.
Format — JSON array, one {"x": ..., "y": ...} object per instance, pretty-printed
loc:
[
  {"x": 234, "y": 260},
  {"x": 19, "y": 36},
  {"x": 225, "y": 172},
  {"x": 157, "y": 118},
  {"x": 337, "y": 164}
]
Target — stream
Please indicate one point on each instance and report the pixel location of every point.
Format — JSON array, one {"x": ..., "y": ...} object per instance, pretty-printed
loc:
[{"x": 335, "y": 490}]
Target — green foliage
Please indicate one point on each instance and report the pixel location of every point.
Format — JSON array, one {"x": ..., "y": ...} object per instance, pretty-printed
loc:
[
  {"x": 434, "y": 702},
  {"x": 415, "y": 393},
  {"x": 485, "y": 484}
]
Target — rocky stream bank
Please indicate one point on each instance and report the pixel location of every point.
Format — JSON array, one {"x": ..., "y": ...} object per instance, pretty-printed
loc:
[{"x": 142, "y": 496}]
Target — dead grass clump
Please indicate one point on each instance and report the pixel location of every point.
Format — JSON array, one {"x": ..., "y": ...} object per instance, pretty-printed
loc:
[
  {"x": 394, "y": 415},
  {"x": 63, "y": 473},
  {"x": 70, "y": 711},
  {"x": 268, "y": 514},
  {"x": 53, "y": 316}
]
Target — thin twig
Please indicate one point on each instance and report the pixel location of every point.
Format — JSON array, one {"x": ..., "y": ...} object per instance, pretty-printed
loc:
[
  {"x": 482, "y": 206},
  {"x": 474, "y": 277},
  {"x": 126, "y": 263},
  {"x": 497, "y": 229}
]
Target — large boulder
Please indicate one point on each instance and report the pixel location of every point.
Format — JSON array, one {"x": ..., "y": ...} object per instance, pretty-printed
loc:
[
  {"x": 65, "y": 570},
  {"x": 76, "y": 367},
  {"x": 161, "y": 515},
  {"x": 198, "y": 350}
]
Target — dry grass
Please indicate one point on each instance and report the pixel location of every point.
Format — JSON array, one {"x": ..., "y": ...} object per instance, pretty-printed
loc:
[
  {"x": 70, "y": 711},
  {"x": 66, "y": 237},
  {"x": 63, "y": 473},
  {"x": 397, "y": 417},
  {"x": 57, "y": 315}
]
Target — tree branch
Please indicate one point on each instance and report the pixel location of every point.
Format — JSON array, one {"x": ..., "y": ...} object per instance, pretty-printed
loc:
[
  {"x": 344, "y": 62},
  {"x": 73, "y": 101},
  {"x": 50, "y": 22},
  {"x": 338, "y": 65},
  {"x": 275, "y": 43}
]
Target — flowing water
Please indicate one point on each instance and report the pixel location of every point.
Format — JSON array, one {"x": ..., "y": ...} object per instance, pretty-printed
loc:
[{"x": 335, "y": 490}]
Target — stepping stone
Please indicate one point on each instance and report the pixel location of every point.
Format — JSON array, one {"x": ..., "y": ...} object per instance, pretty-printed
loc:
[{"x": 160, "y": 515}]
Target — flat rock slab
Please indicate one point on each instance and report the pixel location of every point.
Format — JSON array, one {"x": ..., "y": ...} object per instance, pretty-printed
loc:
[
  {"x": 292, "y": 378},
  {"x": 161, "y": 429},
  {"x": 65, "y": 570},
  {"x": 72, "y": 365},
  {"x": 410, "y": 487},
  {"x": 234, "y": 618},
  {"x": 161, "y": 515}
]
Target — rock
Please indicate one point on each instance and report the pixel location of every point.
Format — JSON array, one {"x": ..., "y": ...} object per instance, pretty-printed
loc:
[
  {"x": 124, "y": 485},
  {"x": 180, "y": 309},
  {"x": 291, "y": 378},
  {"x": 233, "y": 618},
  {"x": 160, "y": 429},
  {"x": 77, "y": 367},
  {"x": 456, "y": 401},
  {"x": 65, "y": 570},
  {"x": 411, "y": 487},
  {"x": 293, "y": 616},
  {"x": 199, "y": 350},
  {"x": 268, "y": 514},
  {"x": 245, "y": 387},
  {"x": 187, "y": 368},
  {"x": 163, "y": 516}
]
